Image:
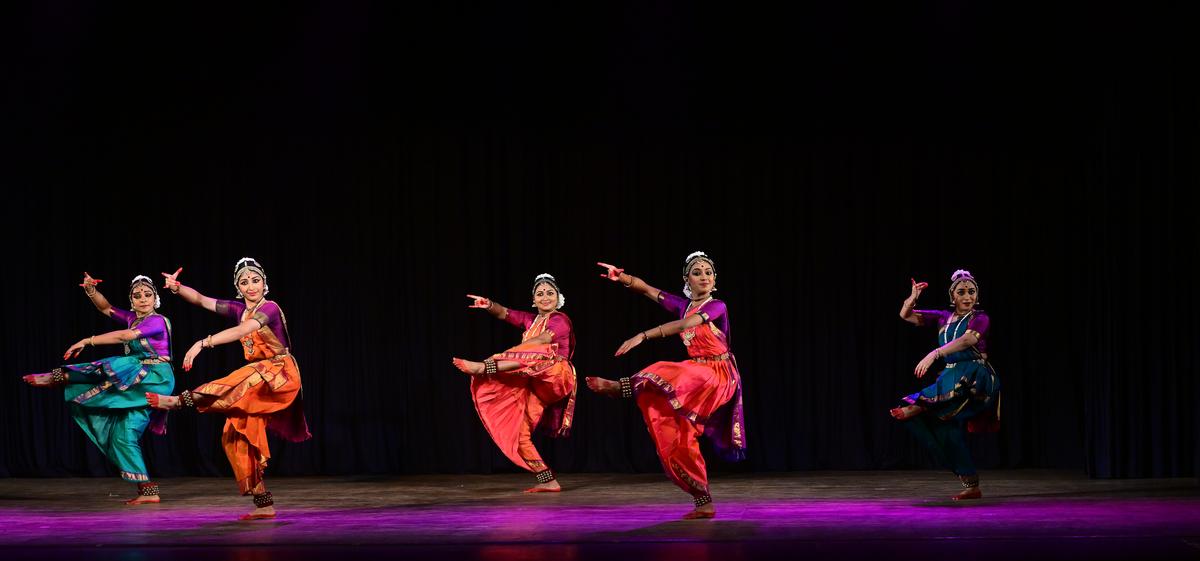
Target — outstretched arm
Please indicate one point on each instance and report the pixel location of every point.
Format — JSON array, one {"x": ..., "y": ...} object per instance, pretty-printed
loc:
[
  {"x": 617, "y": 274},
  {"x": 98, "y": 300},
  {"x": 220, "y": 338},
  {"x": 188, "y": 294},
  {"x": 968, "y": 340},
  {"x": 110, "y": 338},
  {"x": 496, "y": 310},
  {"x": 665, "y": 330}
]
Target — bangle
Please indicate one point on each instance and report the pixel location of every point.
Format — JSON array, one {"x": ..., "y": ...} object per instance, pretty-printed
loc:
[
  {"x": 175, "y": 288},
  {"x": 937, "y": 353},
  {"x": 645, "y": 337},
  {"x": 207, "y": 342},
  {"x": 90, "y": 293},
  {"x": 92, "y": 340},
  {"x": 631, "y": 279},
  {"x": 661, "y": 335}
]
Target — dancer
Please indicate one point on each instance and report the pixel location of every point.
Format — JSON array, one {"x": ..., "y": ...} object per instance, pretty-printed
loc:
[
  {"x": 530, "y": 386},
  {"x": 681, "y": 400},
  {"x": 967, "y": 390},
  {"x": 108, "y": 396},
  {"x": 264, "y": 394}
]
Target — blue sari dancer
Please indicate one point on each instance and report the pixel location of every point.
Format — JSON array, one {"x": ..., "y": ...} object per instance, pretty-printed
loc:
[
  {"x": 107, "y": 397},
  {"x": 966, "y": 394}
]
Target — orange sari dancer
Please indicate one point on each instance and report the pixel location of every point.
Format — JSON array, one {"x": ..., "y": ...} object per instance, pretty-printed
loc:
[
  {"x": 530, "y": 386},
  {"x": 682, "y": 400},
  {"x": 264, "y": 394}
]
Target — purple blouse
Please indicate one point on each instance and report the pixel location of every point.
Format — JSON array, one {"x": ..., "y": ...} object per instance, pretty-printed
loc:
[
  {"x": 978, "y": 322},
  {"x": 268, "y": 315},
  {"x": 558, "y": 323},
  {"x": 153, "y": 329},
  {"x": 714, "y": 311}
]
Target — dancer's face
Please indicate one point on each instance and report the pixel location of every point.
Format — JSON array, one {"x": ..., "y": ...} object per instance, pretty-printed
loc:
[
  {"x": 701, "y": 279},
  {"x": 251, "y": 285},
  {"x": 142, "y": 299},
  {"x": 545, "y": 298},
  {"x": 965, "y": 296}
]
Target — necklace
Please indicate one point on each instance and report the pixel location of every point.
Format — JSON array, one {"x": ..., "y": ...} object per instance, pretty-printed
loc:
[
  {"x": 689, "y": 308},
  {"x": 249, "y": 313},
  {"x": 953, "y": 333}
]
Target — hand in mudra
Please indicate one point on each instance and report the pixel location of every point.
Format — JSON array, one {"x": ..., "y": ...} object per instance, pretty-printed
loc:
[
  {"x": 171, "y": 281},
  {"x": 612, "y": 272},
  {"x": 917, "y": 287},
  {"x": 479, "y": 302}
]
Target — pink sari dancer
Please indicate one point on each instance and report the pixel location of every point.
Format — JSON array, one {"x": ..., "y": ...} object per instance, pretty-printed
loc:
[
  {"x": 530, "y": 386},
  {"x": 682, "y": 400}
]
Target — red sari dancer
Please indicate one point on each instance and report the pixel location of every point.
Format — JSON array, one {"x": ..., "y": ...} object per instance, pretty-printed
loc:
[
  {"x": 682, "y": 400},
  {"x": 530, "y": 386},
  {"x": 262, "y": 395}
]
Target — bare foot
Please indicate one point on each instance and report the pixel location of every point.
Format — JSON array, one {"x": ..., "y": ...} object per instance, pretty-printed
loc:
[
  {"x": 141, "y": 500},
  {"x": 706, "y": 511},
  {"x": 551, "y": 487},
  {"x": 469, "y": 366},
  {"x": 38, "y": 380},
  {"x": 967, "y": 494},
  {"x": 263, "y": 513},
  {"x": 604, "y": 387},
  {"x": 907, "y": 412},
  {"x": 159, "y": 401}
]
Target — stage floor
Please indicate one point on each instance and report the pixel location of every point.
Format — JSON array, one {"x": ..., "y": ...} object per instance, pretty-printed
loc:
[{"x": 1025, "y": 515}]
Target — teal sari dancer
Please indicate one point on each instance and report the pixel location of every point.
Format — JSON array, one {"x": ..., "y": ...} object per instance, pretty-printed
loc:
[
  {"x": 107, "y": 397},
  {"x": 966, "y": 394}
]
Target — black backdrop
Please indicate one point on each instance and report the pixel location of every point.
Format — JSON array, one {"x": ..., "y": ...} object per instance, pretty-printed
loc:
[{"x": 383, "y": 160}]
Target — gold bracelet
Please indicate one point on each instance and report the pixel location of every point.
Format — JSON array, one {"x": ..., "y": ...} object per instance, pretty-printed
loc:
[
  {"x": 631, "y": 279},
  {"x": 92, "y": 340},
  {"x": 207, "y": 342}
]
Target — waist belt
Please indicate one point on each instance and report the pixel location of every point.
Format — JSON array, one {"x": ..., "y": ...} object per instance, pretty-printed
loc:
[
  {"x": 950, "y": 365},
  {"x": 714, "y": 358}
]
